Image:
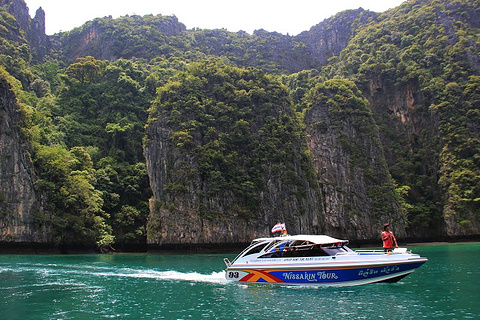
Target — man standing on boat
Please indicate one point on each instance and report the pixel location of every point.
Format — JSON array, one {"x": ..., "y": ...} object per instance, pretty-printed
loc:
[{"x": 388, "y": 238}]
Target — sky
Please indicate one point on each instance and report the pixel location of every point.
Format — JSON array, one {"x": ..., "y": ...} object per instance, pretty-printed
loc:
[{"x": 284, "y": 16}]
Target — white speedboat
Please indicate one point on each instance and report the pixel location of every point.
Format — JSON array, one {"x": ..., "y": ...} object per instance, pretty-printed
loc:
[{"x": 318, "y": 260}]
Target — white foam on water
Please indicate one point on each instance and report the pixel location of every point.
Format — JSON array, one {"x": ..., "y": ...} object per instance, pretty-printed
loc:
[
  {"x": 170, "y": 275},
  {"x": 66, "y": 271},
  {"x": 214, "y": 277}
]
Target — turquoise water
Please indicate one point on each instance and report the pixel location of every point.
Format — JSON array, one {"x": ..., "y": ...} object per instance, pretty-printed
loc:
[{"x": 147, "y": 286}]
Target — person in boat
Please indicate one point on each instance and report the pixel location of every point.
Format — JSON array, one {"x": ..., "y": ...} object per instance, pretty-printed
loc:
[
  {"x": 388, "y": 238},
  {"x": 279, "y": 229},
  {"x": 277, "y": 253}
]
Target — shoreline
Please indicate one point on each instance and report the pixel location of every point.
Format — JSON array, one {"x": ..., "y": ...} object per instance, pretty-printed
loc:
[{"x": 225, "y": 248}]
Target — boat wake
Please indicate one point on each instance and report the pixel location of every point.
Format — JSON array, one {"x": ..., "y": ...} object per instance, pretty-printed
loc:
[
  {"x": 54, "y": 271},
  {"x": 215, "y": 277}
]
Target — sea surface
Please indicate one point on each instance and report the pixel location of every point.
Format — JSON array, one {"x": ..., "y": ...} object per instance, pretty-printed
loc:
[{"x": 150, "y": 286}]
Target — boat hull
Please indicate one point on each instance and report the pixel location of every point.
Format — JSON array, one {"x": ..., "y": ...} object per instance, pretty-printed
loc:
[{"x": 324, "y": 275}]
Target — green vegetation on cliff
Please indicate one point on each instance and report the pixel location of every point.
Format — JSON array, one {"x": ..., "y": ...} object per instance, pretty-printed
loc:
[
  {"x": 238, "y": 129},
  {"x": 459, "y": 113},
  {"x": 337, "y": 114},
  {"x": 150, "y": 37},
  {"x": 235, "y": 120},
  {"x": 414, "y": 65},
  {"x": 15, "y": 53}
]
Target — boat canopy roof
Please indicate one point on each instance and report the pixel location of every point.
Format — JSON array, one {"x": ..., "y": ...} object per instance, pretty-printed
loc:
[{"x": 315, "y": 239}]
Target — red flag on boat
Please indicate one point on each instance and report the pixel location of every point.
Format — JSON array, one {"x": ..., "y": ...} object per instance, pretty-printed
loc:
[{"x": 279, "y": 227}]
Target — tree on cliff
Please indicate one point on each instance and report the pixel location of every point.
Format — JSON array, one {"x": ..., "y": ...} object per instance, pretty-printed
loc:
[
  {"x": 102, "y": 106},
  {"x": 74, "y": 206}
]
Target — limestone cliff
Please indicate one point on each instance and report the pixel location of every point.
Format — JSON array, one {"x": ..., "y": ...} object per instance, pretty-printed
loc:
[
  {"x": 331, "y": 36},
  {"x": 206, "y": 190},
  {"x": 357, "y": 190},
  {"x": 153, "y": 36},
  {"x": 34, "y": 28},
  {"x": 18, "y": 200},
  {"x": 343, "y": 189},
  {"x": 126, "y": 37},
  {"x": 36, "y": 36}
]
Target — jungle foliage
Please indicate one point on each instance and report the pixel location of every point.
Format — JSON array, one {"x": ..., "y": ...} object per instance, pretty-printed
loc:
[
  {"x": 85, "y": 117},
  {"x": 432, "y": 46},
  {"x": 237, "y": 126},
  {"x": 150, "y": 37}
]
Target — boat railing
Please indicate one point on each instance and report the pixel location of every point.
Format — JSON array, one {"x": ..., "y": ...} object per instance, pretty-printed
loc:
[
  {"x": 227, "y": 262},
  {"x": 395, "y": 251},
  {"x": 344, "y": 253}
]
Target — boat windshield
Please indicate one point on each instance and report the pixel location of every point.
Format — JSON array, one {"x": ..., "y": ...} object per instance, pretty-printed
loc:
[
  {"x": 276, "y": 243},
  {"x": 304, "y": 249},
  {"x": 254, "y": 247}
]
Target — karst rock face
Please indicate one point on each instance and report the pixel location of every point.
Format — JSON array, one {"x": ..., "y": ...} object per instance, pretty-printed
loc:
[
  {"x": 188, "y": 206},
  {"x": 34, "y": 28},
  {"x": 100, "y": 38},
  {"x": 357, "y": 190},
  {"x": 19, "y": 202},
  {"x": 356, "y": 142},
  {"x": 331, "y": 36},
  {"x": 351, "y": 193},
  {"x": 187, "y": 220}
]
